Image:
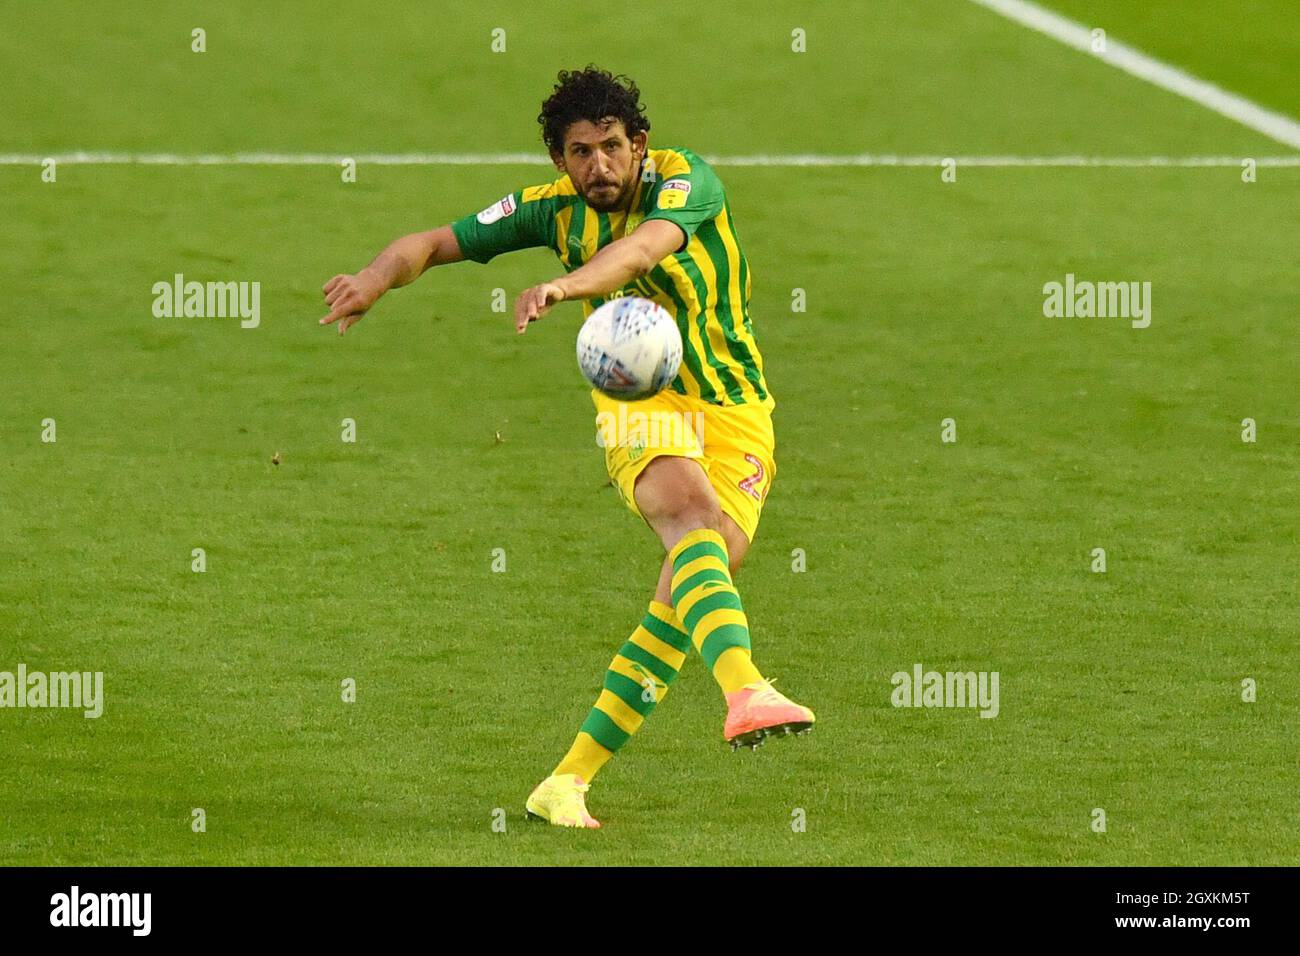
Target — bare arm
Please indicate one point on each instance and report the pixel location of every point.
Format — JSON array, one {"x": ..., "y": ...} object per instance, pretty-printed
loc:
[
  {"x": 402, "y": 262},
  {"x": 611, "y": 268}
]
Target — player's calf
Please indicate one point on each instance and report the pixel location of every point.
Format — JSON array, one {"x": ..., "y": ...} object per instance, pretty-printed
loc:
[
  {"x": 675, "y": 497},
  {"x": 677, "y": 500}
]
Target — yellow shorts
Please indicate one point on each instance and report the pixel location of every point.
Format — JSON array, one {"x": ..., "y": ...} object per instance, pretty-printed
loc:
[{"x": 735, "y": 445}]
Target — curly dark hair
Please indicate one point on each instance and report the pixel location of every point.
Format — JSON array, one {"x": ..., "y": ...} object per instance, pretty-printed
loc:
[{"x": 592, "y": 94}]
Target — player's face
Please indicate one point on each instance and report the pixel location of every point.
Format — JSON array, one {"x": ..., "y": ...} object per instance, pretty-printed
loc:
[{"x": 602, "y": 162}]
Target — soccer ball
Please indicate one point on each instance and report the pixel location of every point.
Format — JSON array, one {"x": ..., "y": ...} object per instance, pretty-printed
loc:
[{"x": 629, "y": 348}]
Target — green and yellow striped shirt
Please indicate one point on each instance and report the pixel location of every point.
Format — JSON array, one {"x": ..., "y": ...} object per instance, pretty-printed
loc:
[{"x": 705, "y": 284}]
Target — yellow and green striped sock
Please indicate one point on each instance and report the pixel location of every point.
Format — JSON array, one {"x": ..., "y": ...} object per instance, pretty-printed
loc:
[
  {"x": 636, "y": 681},
  {"x": 708, "y": 605}
]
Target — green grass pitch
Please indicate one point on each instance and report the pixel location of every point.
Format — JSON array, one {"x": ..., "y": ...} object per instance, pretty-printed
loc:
[{"x": 371, "y": 560}]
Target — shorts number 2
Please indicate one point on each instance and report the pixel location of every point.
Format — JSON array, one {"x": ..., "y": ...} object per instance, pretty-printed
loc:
[{"x": 750, "y": 485}]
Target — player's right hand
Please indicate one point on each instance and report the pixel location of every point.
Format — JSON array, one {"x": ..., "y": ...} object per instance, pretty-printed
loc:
[{"x": 349, "y": 298}]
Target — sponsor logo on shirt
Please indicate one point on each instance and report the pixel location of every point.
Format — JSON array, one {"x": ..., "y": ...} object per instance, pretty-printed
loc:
[
  {"x": 673, "y": 193},
  {"x": 498, "y": 210}
]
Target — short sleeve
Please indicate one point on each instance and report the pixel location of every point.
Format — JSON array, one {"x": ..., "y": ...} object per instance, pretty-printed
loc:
[
  {"x": 504, "y": 226},
  {"x": 688, "y": 198}
]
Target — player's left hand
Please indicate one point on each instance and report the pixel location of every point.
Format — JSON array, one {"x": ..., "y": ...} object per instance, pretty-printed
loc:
[{"x": 534, "y": 303}]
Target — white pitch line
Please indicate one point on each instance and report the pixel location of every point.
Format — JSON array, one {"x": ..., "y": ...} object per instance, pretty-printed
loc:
[
  {"x": 1276, "y": 126},
  {"x": 531, "y": 159},
  {"x": 1001, "y": 161},
  {"x": 276, "y": 159}
]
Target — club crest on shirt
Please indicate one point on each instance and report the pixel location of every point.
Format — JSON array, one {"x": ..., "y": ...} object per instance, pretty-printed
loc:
[
  {"x": 673, "y": 193},
  {"x": 498, "y": 210}
]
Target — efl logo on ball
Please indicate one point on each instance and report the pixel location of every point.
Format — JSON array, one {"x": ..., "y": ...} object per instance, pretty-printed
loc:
[{"x": 629, "y": 348}]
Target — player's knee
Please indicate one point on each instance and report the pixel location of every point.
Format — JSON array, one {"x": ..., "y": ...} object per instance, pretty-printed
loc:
[
  {"x": 687, "y": 509},
  {"x": 675, "y": 497},
  {"x": 692, "y": 512},
  {"x": 702, "y": 513}
]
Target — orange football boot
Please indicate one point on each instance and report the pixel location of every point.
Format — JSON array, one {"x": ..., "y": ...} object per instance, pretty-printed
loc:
[{"x": 758, "y": 711}]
